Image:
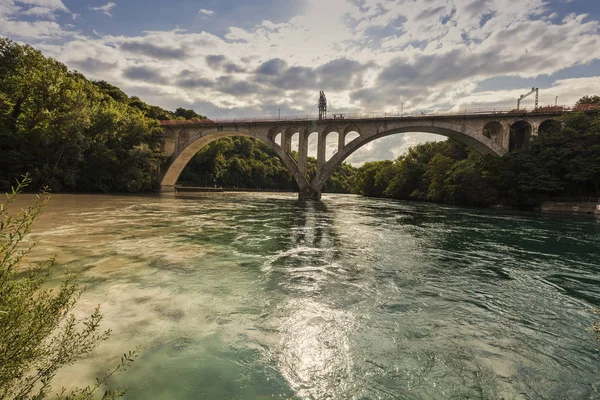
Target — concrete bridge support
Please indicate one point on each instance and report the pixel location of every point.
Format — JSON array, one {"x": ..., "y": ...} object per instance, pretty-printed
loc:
[{"x": 488, "y": 134}]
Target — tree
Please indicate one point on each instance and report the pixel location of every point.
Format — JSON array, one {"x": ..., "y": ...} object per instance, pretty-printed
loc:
[
  {"x": 70, "y": 133},
  {"x": 38, "y": 332},
  {"x": 188, "y": 114},
  {"x": 588, "y": 100}
]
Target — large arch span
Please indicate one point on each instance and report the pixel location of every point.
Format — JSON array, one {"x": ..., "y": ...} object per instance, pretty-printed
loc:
[{"x": 482, "y": 145}]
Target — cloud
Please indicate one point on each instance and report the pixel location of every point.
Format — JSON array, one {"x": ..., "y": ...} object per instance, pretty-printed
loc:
[
  {"x": 40, "y": 12},
  {"x": 48, "y": 4},
  {"x": 338, "y": 75},
  {"x": 144, "y": 73},
  {"x": 215, "y": 61},
  {"x": 106, "y": 9},
  {"x": 93, "y": 65},
  {"x": 206, "y": 12},
  {"x": 152, "y": 50},
  {"x": 221, "y": 63}
]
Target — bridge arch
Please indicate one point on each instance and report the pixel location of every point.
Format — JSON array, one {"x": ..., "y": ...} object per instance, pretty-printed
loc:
[
  {"x": 520, "y": 134},
  {"x": 494, "y": 130},
  {"x": 191, "y": 149},
  {"x": 479, "y": 143},
  {"x": 332, "y": 144},
  {"x": 549, "y": 127},
  {"x": 352, "y": 128}
]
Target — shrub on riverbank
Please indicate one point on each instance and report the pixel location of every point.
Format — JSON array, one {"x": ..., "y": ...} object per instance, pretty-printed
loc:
[{"x": 38, "y": 332}]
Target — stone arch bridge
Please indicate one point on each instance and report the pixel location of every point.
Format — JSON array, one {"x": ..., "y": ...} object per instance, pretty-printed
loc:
[{"x": 487, "y": 133}]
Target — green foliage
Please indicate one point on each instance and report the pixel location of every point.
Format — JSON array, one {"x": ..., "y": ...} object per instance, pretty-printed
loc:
[
  {"x": 188, "y": 114},
  {"x": 72, "y": 134},
  {"x": 38, "y": 332},
  {"x": 588, "y": 100},
  {"x": 443, "y": 172}
]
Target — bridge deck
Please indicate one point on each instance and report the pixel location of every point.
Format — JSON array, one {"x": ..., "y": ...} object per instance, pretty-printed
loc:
[{"x": 355, "y": 117}]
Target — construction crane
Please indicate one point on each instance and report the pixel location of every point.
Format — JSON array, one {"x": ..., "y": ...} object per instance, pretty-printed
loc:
[
  {"x": 537, "y": 96},
  {"x": 322, "y": 105}
]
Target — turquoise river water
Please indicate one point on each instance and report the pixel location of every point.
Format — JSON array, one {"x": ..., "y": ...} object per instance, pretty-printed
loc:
[{"x": 257, "y": 296}]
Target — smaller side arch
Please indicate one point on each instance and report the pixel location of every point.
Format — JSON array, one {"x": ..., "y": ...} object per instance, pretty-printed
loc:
[
  {"x": 494, "y": 131},
  {"x": 520, "y": 134},
  {"x": 274, "y": 131},
  {"x": 549, "y": 127},
  {"x": 480, "y": 144},
  {"x": 352, "y": 128}
]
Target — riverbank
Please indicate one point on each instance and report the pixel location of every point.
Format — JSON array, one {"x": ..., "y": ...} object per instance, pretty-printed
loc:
[{"x": 584, "y": 206}]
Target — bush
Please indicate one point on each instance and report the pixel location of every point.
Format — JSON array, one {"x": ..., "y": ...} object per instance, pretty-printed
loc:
[{"x": 38, "y": 332}]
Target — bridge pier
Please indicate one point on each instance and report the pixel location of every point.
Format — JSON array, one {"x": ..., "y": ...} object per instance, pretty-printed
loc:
[{"x": 309, "y": 195}]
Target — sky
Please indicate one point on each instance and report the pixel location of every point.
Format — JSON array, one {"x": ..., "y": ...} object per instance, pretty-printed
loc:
[{"x": 232, "y": 58}]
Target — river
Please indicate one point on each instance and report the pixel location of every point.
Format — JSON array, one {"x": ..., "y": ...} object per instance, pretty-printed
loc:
[{"x": 251, "y": 296}]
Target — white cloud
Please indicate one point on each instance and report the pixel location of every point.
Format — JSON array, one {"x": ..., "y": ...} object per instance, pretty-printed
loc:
[
  {"x": 206, "y": 12},
  {"x": 40, "y": 12},
  {"x": 106, "y": 9},
  {"x": 49, "y": 4}
]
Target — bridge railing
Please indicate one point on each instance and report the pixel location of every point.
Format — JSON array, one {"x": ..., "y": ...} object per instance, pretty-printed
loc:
[{"x": 391, "y": 115}]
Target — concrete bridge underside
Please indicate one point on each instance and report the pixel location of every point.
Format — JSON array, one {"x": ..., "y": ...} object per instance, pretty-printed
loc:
[{"x": 487, "y": 134}]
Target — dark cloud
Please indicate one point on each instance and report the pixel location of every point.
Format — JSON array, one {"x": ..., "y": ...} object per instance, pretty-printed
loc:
[
  {"x": 454, "y": 66},
  {"x": 143, "y": 73},
  {"x": 272, "y": 67},
  {"x": 432, "y": 12},
  {"x": 194, "y": 83},
  {"x": 215, "y": 61},
  {"x": 225, "y": 84},
  {"x": 234, "y": 87},
  {"x": 153, "y": 51},
  {"x": 232, "y": 68},
  {"x": 92, "y": 65},
  {"x": 477, "y": 6},
  {"x": 220, "y": 62},
  {"x": 339, "y": 74}
]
